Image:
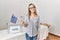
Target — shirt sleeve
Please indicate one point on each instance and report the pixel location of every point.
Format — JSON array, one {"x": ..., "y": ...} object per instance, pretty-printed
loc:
[{"x": 39, "y": 24}]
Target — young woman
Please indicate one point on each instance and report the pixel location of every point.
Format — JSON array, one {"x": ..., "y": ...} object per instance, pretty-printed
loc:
[{"x": 32, "y": 23}]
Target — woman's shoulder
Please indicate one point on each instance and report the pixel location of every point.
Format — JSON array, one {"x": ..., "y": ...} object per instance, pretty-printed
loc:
[{"x": 38, "y": 16}]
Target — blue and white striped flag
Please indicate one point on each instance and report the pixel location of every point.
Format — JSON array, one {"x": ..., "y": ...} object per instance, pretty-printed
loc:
[{"x": 13, "y": 19}]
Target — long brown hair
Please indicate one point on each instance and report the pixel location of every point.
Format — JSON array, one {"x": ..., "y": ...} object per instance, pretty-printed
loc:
[{"x": 29, "y": 12}]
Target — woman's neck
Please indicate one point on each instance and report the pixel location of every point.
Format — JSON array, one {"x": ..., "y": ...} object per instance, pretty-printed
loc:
[{"x": 33, "y": 15}]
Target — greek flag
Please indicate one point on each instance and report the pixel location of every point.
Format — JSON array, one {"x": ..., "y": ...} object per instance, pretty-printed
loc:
[{"x": 13, "y": 19}]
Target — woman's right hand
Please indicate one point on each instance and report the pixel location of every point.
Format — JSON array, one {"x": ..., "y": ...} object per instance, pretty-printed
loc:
[
  {"x": 23, "y": 23},
  {"x": 21, "y": 20}
]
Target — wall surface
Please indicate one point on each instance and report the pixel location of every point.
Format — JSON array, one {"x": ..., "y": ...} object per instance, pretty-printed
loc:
[
  {"x": 53, "y": 15},
  {"x": 49, "y": 11}
]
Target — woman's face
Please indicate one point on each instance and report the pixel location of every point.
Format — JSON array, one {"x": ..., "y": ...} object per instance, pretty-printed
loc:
[{"x": 32, "y": 8}]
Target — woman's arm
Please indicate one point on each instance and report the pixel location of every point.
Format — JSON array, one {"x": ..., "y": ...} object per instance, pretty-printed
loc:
[
  {"x": 24, "y": 24},
  {"x": 46, "y": 24}
]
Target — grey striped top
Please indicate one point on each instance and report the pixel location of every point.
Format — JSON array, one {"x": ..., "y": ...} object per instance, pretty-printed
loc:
[{"x": 32, "y": 25}]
